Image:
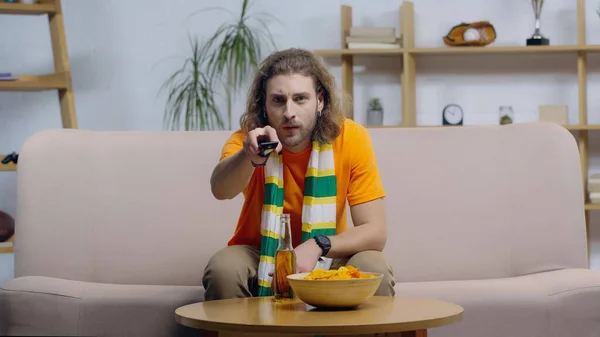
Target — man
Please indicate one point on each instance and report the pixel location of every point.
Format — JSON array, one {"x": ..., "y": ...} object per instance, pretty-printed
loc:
[{"x": 322, "y": 160}]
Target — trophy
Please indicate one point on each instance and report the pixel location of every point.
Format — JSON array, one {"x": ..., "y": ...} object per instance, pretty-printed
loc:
[{"x": 537, "y": 39}]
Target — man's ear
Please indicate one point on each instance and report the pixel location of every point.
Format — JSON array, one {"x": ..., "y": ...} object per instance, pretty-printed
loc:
[
  {"x": 263, "y": 116},
  {"x": 320, "y": 99}
]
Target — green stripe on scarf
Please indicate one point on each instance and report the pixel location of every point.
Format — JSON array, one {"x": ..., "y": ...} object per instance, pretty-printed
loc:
[
  {"x": 320, "y": 219},
  {"x": 273, "y": 195},
  {"x": 320, "y": 186}
]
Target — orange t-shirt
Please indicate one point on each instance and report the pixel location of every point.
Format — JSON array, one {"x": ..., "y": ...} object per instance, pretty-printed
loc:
[{"x": 357, "y": 179}]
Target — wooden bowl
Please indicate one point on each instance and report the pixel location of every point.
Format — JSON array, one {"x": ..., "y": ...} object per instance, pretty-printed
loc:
[{"x": 349, "y": 293}]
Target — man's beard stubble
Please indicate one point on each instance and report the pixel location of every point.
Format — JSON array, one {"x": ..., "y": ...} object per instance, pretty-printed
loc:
[{"x": 306, "y": 132}]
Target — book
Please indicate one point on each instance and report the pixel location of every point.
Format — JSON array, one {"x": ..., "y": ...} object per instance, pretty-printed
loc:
[
  {"x": 373, "y": 46},
  {"x": 372, "y": 39},
  {"x": 7, "y": 77},
  {"x": 595, "y": 198}
]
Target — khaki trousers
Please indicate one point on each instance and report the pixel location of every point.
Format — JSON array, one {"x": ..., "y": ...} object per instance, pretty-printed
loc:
[{"x": 232, "y": 272}]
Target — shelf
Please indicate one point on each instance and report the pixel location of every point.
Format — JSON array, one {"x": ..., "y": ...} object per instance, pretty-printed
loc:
[
  {"x": 592, "y": 127},
  {"x": 23, "y": 9},
  {"x": 7, "y": 167},
  {"x": 7, "y": 246},
  {"x": 591, "y": 48},
  {"x": 36, "y": 83},
  {"x": 372, "y": 52},
  {"x": 592, "y": 207},
  {"x": 497, "y": 50},
  {"x": 582, "y": 127},
  {"x": 462, "y": 50},
  {"x": 6, "y": 250}
]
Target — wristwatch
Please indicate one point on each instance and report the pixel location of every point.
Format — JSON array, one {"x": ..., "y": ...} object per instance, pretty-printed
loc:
[{"x": 324, "y": 243}]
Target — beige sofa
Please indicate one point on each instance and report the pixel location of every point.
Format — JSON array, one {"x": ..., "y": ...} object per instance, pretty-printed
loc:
[{"x": 114, "y": 229}]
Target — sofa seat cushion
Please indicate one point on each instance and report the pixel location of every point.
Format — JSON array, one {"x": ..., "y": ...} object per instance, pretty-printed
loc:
[
  {"x": 555, "y": 303},
  {"x": 51, "y": 306}
]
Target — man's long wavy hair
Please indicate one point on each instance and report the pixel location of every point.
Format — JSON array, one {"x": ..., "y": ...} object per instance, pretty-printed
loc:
[{"x": 303, "y": 62}]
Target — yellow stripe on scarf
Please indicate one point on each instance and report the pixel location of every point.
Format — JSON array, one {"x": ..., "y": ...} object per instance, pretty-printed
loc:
[
  {"x": 273, "y": 208},
  {"x": 307, "y": 227},
  {"x": 321, "y": 147},
  {"x": 318, "y": 201},
  {"x": 274, "y": 180},
  {"x": 267, "y": 259},
  {"x": 313, "y": 172},
  {"x": 270, "y": 234},
  {"x": 264, "y": 283}
]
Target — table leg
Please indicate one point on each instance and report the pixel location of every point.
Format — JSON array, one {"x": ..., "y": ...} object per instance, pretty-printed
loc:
[{"x": 417, "y": 333}]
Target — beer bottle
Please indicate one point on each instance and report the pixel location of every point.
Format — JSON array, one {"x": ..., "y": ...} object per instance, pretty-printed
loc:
[{"x": 285, "y": 261}]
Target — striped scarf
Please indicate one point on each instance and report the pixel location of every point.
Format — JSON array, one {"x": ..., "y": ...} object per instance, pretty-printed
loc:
[{"x": 318, "y": 208}]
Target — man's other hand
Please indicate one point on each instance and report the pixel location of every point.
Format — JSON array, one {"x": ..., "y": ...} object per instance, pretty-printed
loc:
[{"x": 307, "y": 256}]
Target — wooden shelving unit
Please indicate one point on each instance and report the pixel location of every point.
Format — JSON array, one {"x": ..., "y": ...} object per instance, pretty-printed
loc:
[
  {"x": 60, "y": 80},
  {"x": 23, "y": 9},
  {"x": 408, "y": 55},
  {"x": 57, "y": 81}
]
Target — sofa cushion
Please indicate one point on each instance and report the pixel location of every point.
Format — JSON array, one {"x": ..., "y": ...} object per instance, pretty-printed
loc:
[
  {"x": 40, "y": 306},
  {"x": 51, "y": 306},
  {"x": 556, "y": 303}
]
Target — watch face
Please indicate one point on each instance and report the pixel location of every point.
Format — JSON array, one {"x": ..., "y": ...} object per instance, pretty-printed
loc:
[
  {"x": 453, "y": 114},
  {"x": 324, "y": 243},
  {"x": 322, "y": 240}
]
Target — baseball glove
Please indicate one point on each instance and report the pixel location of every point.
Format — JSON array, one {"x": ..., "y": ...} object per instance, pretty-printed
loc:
[{"x": 456, "y": 35}]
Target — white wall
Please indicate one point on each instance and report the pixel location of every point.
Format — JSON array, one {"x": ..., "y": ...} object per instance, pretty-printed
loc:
[{"x": 120, "y": 57}]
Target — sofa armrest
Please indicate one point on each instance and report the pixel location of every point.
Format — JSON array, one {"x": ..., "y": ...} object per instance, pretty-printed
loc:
[{"x": 50, "y": 306}]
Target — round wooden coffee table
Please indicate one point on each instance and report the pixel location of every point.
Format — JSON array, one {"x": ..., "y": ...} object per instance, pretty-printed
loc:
[{"x": 262, "y": 316}]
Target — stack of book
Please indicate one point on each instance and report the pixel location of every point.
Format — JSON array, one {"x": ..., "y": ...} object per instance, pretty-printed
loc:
[
  {"x": 594, "y": 188},
  {"x": 373, "y": 38},
  {"x": 7, "y": 77}
]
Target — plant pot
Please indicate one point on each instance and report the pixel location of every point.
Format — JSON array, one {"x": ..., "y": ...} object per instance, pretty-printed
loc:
[{"x": 375, "y": 117}]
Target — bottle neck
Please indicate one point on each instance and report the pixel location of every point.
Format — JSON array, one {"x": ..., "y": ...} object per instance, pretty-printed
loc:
[{"x": 285, "y": 239}]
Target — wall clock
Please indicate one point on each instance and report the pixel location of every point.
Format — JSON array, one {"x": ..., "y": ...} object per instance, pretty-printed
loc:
[{"x": 452, "y": 115}]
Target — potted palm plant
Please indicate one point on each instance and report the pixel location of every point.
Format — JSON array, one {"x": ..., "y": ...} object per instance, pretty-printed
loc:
[
  {"x": 226, "y": 59},
  {"x": 190, "y": 99}
]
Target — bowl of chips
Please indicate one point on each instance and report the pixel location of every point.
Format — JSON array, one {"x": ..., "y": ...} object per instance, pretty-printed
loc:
[{"x": 345, "y": 287}]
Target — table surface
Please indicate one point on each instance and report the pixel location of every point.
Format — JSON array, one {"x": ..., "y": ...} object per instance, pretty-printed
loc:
[{"x": 381, "y": 314}]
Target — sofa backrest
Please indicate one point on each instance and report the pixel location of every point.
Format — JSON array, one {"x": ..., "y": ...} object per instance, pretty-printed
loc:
[
  {"x": 477, "y": 202},
  {"x": 136, "y": 207}
]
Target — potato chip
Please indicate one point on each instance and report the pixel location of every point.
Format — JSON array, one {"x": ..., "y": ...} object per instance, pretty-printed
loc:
[{"x": 342, "y": 273}]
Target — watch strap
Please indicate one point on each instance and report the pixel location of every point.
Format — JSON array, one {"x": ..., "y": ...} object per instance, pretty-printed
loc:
[{"x": 263, "y": 163}]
